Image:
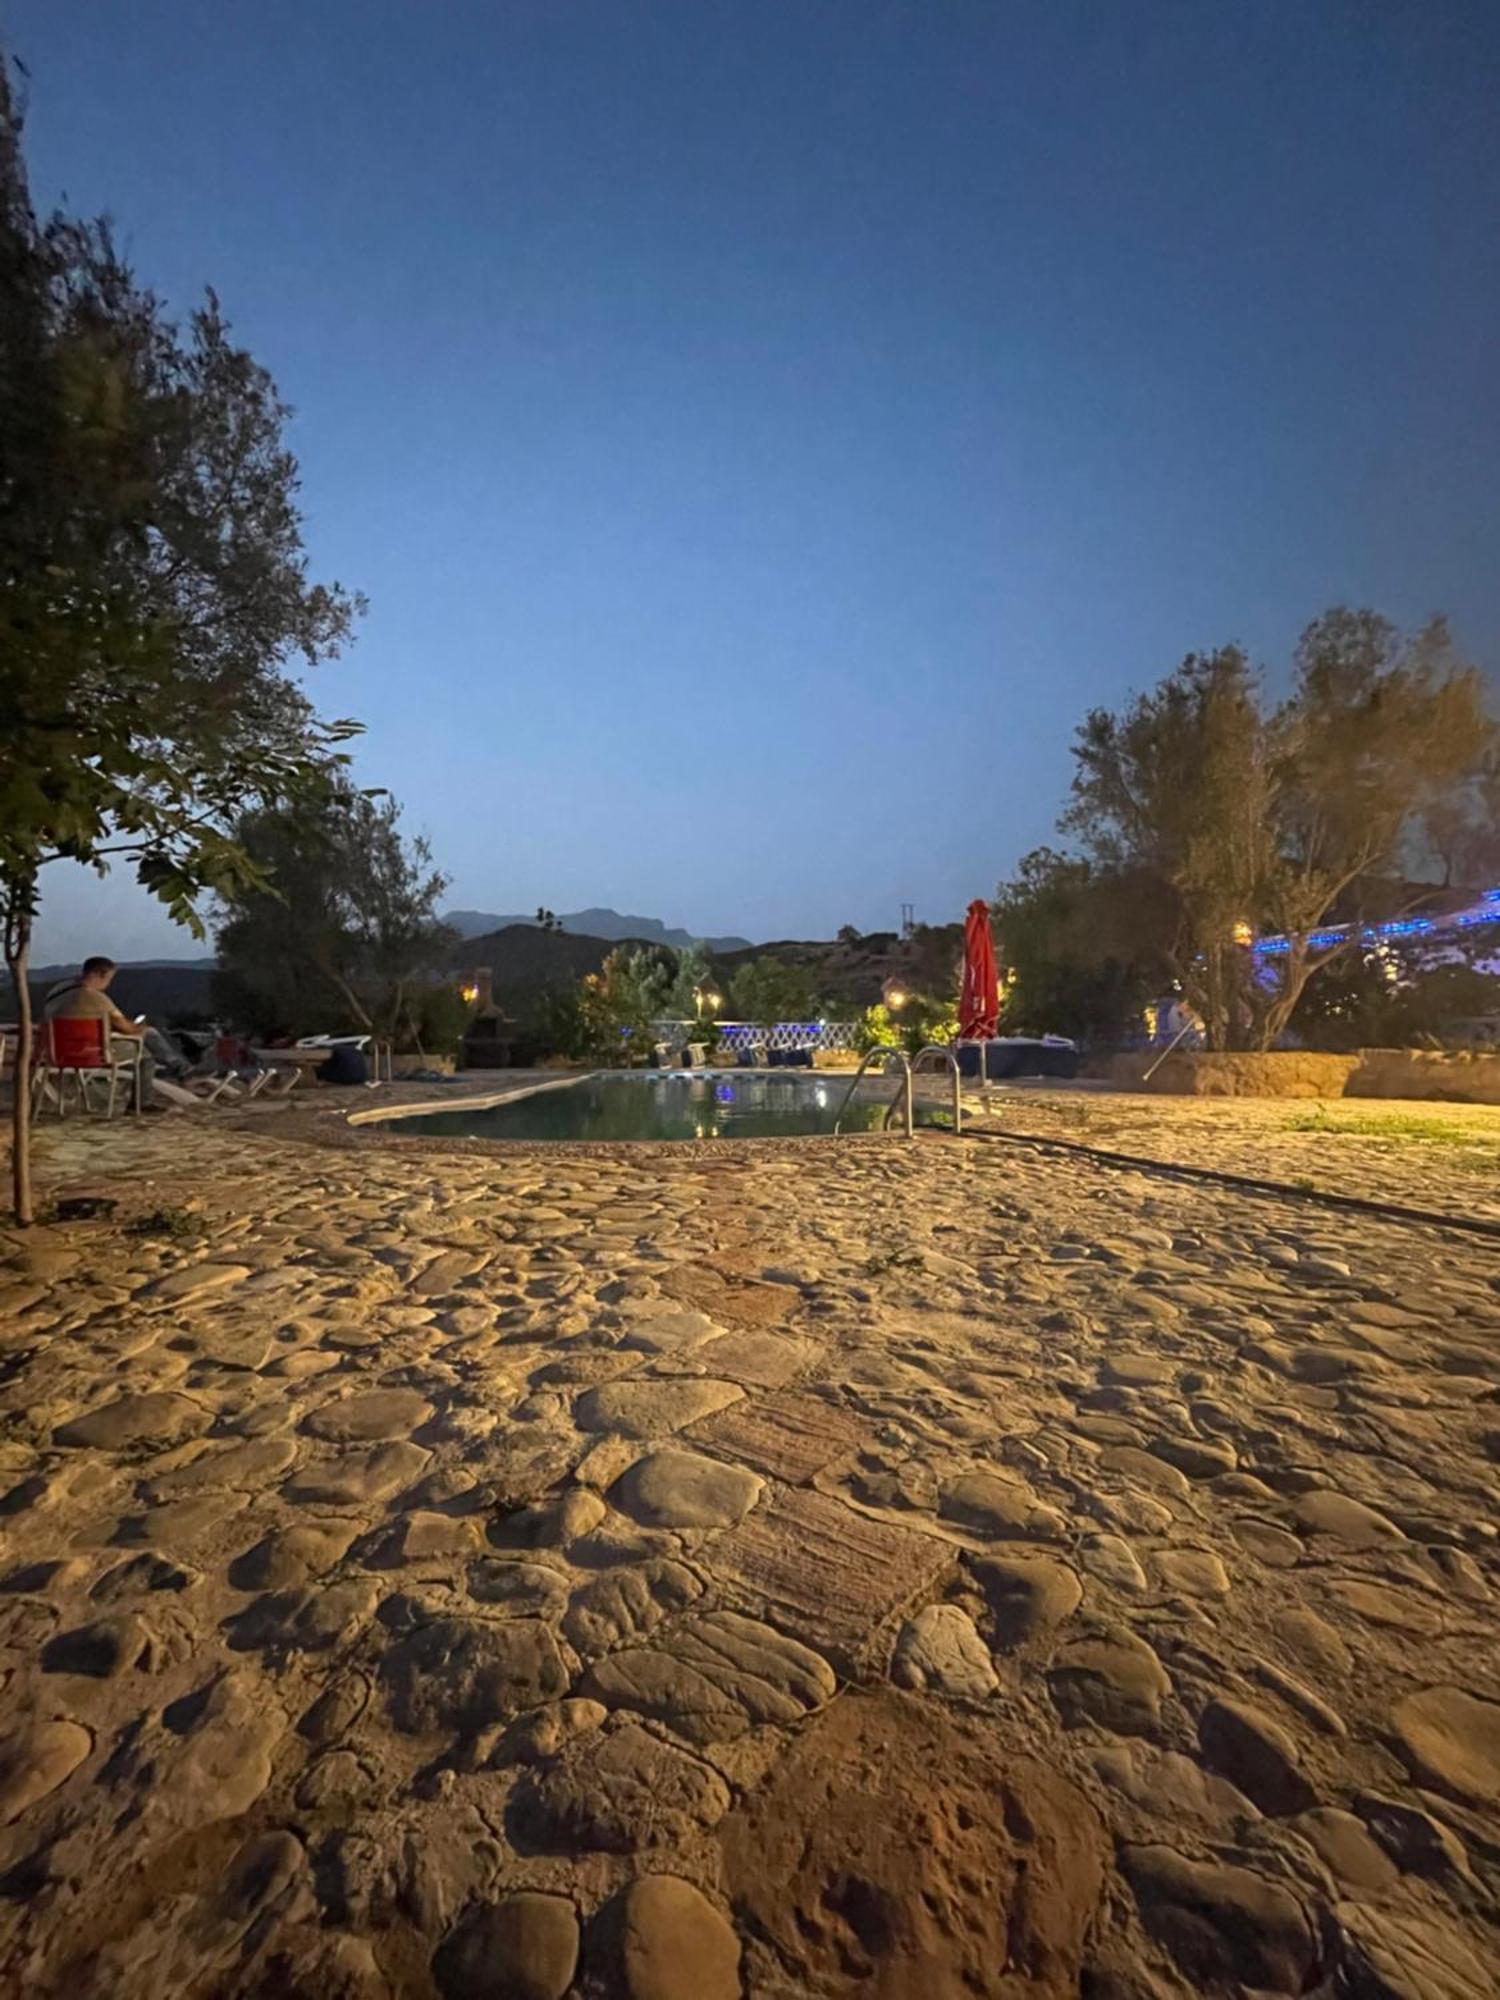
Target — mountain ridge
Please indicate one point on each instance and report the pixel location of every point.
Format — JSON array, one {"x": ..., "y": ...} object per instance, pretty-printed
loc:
[{"x": 596, "y": 923}]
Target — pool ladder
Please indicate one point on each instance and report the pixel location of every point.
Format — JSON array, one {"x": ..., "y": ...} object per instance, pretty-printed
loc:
[{"x": 903, "y": 1098}]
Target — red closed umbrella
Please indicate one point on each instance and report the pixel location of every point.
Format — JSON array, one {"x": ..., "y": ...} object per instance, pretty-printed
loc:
[{"x": 979, "y": 999}]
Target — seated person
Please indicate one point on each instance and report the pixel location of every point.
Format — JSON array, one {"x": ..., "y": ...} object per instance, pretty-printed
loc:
[{"x": 86, "y": 998}]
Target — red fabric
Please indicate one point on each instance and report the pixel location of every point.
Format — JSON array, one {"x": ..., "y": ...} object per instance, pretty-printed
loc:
[
  {"x": 979, "y": 1001},
  {"x": 75, "y": 1044}
]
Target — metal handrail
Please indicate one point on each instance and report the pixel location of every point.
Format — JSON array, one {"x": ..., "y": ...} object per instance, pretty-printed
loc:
[
  {"x": 881, "y": 1056},
  {"x": 940, "y": 1049}
]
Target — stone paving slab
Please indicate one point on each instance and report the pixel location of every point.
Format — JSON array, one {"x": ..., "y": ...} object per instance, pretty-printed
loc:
[
  {"x": 789, "y": 1436},
  {"x": 827, "y": 1573}
]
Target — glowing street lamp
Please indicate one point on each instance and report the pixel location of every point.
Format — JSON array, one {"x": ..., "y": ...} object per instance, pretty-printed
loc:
[{"x": 895, "y": 999}]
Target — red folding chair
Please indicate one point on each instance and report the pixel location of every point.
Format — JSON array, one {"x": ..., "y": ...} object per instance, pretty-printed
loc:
[{"x": 82, "y": 1050}]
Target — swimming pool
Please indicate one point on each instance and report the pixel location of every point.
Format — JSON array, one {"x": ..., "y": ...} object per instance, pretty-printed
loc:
[{"x": 660, "y": 1104}]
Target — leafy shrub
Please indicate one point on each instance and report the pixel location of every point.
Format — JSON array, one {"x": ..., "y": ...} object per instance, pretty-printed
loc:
[{"x": 875, "y": 1029}]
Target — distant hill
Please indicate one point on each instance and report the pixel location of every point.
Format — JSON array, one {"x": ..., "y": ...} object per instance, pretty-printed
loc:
[
  {"x": 848, "y": 975},
  {"x": 525, "y": 960},
  {"x": 596, "y": 923}
]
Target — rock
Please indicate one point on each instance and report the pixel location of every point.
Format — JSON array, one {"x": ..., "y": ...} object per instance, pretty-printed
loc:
[
  {"x": 100, "y": 1650},
  {"x": 524, "y": 1947},
  {"x": 1225, "y": 1926},
  {"x": 1321, "y": 1512},
  {"x": 1298, "y": 1695},
  {"x": 1199, "y": 1458},
  {"x": 626, "y": 1604},
  {"x": 458, "y": 1675},
  {"x": 1377, "y": 1603},
  {"x": 1267, "y": 1543},
  {"x": 1190, "y": 1572},
  {"x": 940, "y": 1649},
  {"x": 370, "y": 1417},
  {"x": 618, "y": 1792},
  {"x": 1163, "y": 1783},
  {"x": 1416, "y": 1841},
  {"x": 34, "y": 1763},
  {"x": 1144, "y": 1468},
  {"x": 1244, "y": 1745},
  {"x": 138, "y": 1576},
  {"x": 304, "y": 1621},
  {"x": 224, "y": 1763},
  {"x": 651, "y": 1408},
  {"x": 1451, "y": 1741},
  {"x": 422, "y": 1536},
  {"x": 158, "y": 1417},
  {"x": 193, "y": 1281},
  {"x": 288, "y": 1557},
  {"x": 1460, "y": 1573},
  {"x": 1111, "y": 1559},
  {"x": 1028, "y": 1596},
  {"x": 604, "y": 1461},
  {"x": 1000, "y": 1509},
  {"x": 1344, "y": 1847},
  {"x": 678, "y": 1489},
  {"x": 355, "y": 1478},
  {"x": 714, "y": 1677},
  {"x": 553, "y": 1524},
  {"x": 675, "y": 1945},
  {"x": 669, "y": 1333},
  {"x": 337, "y": 1782},
  {"x": 1402, "y": 1954},
  {"x": 541, "y": 1733},
  {"x": 336, "y": 1710},
  {"x": 245, "y": 1466},
  {"x": 1114, "y": 1680},
  {"x": 181, "y": 1524},
  {"x": 1138, "y": 1371},
  {"x": 1312, "y": 1639},
  {"x": 757, "y": 1359},
  {"x": 523, "y": 1589}
]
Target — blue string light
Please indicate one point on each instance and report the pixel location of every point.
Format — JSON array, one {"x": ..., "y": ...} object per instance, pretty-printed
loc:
[{"x": 1271, "y": 947}]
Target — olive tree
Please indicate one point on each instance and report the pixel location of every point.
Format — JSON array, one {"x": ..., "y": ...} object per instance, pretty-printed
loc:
[
  {"x": 155, "y": 592},
  {"x": 1221, "y": 815}
]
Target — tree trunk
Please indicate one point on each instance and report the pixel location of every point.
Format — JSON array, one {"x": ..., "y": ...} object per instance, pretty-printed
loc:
[{"x": 18, "y": 961}]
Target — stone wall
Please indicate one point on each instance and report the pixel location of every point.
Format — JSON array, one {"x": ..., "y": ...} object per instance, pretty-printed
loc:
[
  {"x": 1461, "y": 1076},
  {"x": 1281, "y": 1073}
]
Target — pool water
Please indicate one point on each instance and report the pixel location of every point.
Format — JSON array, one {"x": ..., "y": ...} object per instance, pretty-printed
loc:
[{"x": 652, "y": 1104}]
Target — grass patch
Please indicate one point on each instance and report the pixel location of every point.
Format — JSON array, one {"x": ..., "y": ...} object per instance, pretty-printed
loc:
[{"x": 1394, "y": 1125}]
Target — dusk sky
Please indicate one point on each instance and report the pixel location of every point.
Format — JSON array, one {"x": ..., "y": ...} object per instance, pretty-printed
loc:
[{"x": 764, "y": 427}]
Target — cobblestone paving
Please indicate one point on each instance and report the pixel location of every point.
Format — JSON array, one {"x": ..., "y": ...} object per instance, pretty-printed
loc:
[{"x": 904, "y": 1571}]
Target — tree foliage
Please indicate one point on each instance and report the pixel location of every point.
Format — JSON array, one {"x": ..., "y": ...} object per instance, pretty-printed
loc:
[
  {"x": 692, "y": 979},
  {"x": 1217, "y": 815},
  {"x": 768, "y": 989},
  {"x": 155, "y": 595},
  {"x": 339, "y": 929},
  {"x": 1075, "y": 967},
  {"x": 1369, "y": 998}
]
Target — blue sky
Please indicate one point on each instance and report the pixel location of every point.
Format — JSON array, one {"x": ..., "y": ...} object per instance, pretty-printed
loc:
[{"x": 764, "y": 427}]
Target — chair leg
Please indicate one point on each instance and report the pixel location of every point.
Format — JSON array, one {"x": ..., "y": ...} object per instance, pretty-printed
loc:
[{"x": 114, "y": 1076}]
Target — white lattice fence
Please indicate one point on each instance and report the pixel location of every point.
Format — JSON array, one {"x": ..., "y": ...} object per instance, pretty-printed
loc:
[{"x": 737, "y": 1035}]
